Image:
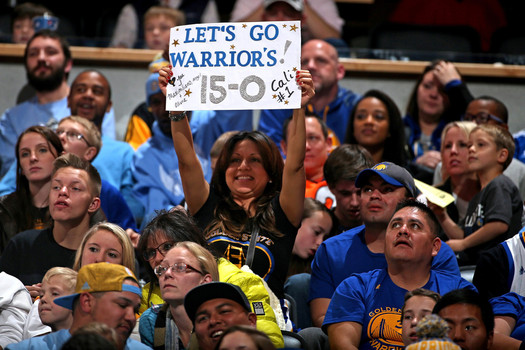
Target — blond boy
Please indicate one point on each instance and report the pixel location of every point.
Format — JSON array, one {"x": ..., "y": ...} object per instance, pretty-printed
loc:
[
  {"x": 57, "y": 282},
  {"x": 494, "y": 214},
  {"x": 158, "y": 21}
]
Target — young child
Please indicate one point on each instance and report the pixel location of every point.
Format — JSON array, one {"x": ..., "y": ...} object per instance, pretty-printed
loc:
[
  {"x": 494, "y": 214},
  {"x": 58, "y": 281},
  {"x": 22, "y": 26},
  {"x": 158, "y": 21}
]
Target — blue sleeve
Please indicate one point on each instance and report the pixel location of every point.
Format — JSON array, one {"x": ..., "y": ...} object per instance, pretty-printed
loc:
[
  {"x": 467, "y": 285},
  {"x": 207, "y": 126},
  {"x": 348, "y": 302},
  {"x": 108, "y": 124},
  {"x": 519, "y": 141},
  {"x": 126, "y": 186},
  {"x": 115, "y": 207},
  {"x": 445, "y": 261},
  {"x": 321, "y": 282},
  {"x": 510, "y": 304},
  {"x": 271, "y": 123},
  {"x": 8, "y": 182},
  {"x": 147, "y": 327},
  {"x": 154, "y": 188},
  {"x": 8, "y": 138}
]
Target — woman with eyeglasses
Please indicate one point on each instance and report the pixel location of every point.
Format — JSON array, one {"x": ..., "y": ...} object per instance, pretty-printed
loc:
[
  {"x": 185, "y": 266},
  {"x": 168, "y": 228},
  {"x": 439, "y": 97},
  {"x": 28, "y": 207}
]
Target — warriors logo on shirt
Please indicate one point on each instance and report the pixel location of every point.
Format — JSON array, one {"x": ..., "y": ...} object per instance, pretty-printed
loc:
[{"x": 384, "y": 329}]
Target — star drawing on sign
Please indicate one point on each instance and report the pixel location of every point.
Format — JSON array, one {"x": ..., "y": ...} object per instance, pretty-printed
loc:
[
  {"x": 244, "y": 25},
  {"x": 284, "y": 25},
  {"x": 294, "y": 69},
  {"x": 274, "y": 96},
  {"x": 188, "y": 93},
  {"x": 293, "y": 28},
  {"x": 232, "y": 47},
  {"x": 286, "y": 102},
  {"x": 175, "y": 43}
]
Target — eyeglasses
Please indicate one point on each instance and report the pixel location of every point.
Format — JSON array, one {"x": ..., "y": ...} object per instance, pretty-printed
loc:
[
  {"x": 177, "y": 268},
  {"x": 162, "y": 249},
  {"x": 72, "y": 136},
  {"x": 481, "y": 118}
]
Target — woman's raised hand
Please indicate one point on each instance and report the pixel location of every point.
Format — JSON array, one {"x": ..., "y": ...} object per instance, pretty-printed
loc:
[
  {"x": 304, "y": 80},
  {"x": 165, "y": 74}
]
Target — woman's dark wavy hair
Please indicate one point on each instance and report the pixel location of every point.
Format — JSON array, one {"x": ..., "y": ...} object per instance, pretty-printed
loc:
[
  {"x": 22, "y": 184},
  {"x": 395, "y": 147},
  {"x": 412, "y": 106},
  {"x": 177, "y": 226},
  {"x": 231, "y": 217}
]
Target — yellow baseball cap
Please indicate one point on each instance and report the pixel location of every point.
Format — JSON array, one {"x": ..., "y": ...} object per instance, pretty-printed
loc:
[{"x": 100, "y": 277}]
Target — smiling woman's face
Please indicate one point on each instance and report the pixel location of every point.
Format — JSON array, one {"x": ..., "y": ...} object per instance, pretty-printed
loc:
[{"x": 371, "y": 123}]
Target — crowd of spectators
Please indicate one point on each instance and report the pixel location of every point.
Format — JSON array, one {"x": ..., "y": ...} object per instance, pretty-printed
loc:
[{"x": 200, "y": 230}]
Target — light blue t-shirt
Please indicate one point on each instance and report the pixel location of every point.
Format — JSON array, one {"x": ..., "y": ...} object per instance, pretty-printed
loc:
[{"x": 55, "y": 340}]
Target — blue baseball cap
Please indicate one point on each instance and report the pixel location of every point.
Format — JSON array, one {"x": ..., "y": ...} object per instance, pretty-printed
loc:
[{"x": 392, "y": 174}]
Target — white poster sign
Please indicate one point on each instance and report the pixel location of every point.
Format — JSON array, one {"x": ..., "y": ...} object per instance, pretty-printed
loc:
[{"x": 224, "y": 66}]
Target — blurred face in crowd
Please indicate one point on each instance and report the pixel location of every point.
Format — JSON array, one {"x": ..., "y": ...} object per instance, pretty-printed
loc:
[
  {"x": 317, "y": 149},
  {"x": 479, "y": 110},
  {"x": 431, "y": 98},
  {"x": 157, "y": 32},
  {"x": 46, "y": 64},
  {"x": 157, "y": 103},
  {"x": 281, "y": 11},
  {"x": 348, "y": 199},
  {"x": 89, "y": 97},
  {"x": 23, "y": 30},
  {"x": 321, "y": 59}
]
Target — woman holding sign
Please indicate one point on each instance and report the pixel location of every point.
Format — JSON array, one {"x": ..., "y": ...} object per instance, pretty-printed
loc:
[{"x": 254, "y": 197}]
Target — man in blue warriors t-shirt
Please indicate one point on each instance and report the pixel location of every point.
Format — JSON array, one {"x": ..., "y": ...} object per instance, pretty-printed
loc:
[{"x": 365, "y": 310}]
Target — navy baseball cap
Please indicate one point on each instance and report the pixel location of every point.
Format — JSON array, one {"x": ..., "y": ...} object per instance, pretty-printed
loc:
[{"x": 392, "y": 174}]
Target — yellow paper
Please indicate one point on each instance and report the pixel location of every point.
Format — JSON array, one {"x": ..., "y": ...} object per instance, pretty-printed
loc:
[{"x": 434, "y": 195}]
